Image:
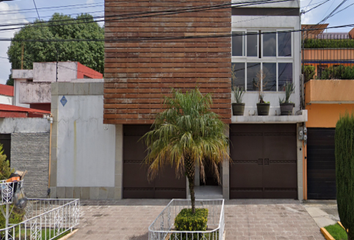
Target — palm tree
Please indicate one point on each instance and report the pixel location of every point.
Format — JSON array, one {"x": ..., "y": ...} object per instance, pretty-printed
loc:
[{"x": 185, "y": 134}]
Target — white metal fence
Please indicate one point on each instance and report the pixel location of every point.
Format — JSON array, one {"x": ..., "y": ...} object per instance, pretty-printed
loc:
[
  {"x": 163, "y": 226},
  {"x": 45, "y": 219}
]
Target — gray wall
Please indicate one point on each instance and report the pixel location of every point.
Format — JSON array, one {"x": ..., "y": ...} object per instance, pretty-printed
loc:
[{"x": 30, "y": 151}]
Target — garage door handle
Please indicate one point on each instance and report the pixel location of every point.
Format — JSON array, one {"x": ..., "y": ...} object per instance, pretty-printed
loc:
[
  {"x": 260, "y": 161},
  {"x": 266, "y": 161}
]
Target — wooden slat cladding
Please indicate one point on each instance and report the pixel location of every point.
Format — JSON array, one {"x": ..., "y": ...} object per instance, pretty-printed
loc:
[{"x": 153, "y": 46}]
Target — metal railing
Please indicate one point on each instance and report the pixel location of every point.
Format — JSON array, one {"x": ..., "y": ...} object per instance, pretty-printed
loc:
[
  {"x": 163, "y": 226},
  {"x": 7, "y": 190},
  {"x": 45, "y": 219}
]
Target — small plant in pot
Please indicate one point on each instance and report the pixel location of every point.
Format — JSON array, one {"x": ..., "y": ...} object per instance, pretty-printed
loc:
[
  {"x": 238, "y": 107},
  {"x": 286, "y": 107},
  {"x": 262, "y": 106}
]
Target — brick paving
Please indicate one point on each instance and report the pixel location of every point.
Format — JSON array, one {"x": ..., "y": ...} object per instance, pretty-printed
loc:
[{"x": 245, "y": 219}]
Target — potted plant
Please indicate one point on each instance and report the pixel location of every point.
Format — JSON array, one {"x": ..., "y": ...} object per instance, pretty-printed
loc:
[
  {"x": 286, "y": 107},
  {"x": 262, "y": 106},
  {"x": 238, "y": 107}
]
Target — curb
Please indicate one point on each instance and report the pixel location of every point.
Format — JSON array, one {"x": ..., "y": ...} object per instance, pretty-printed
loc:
[
  {"x": 326, "y": 234},
  {"x": 340, "y": 224},
  {"x": 69, "y": 235}
]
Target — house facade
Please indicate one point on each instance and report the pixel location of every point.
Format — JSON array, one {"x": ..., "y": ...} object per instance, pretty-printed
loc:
[
  {"x": 193, "y": 43},
  {"x": 328, "y": 95}
]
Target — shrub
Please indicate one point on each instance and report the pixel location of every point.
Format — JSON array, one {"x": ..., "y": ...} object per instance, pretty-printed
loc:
[
  {"x": 309, "y": 72},
  {"x": 344, "y": 155},
  {"x": 187, "y": 221},
  {"x": 338, "y": 72},
  {"x": 15, "y": 217},
  {"x": 329, "y": 43}
]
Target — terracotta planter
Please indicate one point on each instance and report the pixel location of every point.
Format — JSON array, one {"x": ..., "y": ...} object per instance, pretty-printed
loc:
[
  {"x": 238, "y": 109},
  {"x": 286, "y": 108},
  {"x": 263, "y": 109}
]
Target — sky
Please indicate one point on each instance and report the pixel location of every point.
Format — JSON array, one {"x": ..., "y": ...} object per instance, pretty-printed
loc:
[{"x": 23, "y": 11}]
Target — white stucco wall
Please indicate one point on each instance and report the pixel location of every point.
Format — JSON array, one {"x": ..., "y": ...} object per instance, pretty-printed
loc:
[
  {"x": 85, "y": 146},
  {"x": 24, "y": 125},
  {"x": 5, "y": 100},
  {"x": 46, "y": 72}
]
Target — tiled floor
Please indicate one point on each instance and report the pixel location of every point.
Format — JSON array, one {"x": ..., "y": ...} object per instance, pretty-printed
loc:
[{"x": 245, "y": 219}]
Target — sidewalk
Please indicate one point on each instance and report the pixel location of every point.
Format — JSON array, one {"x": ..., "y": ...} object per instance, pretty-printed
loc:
[{"x": 245, "y": 219}]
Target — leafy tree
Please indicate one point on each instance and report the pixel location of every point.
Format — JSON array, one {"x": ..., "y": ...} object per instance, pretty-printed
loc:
[
  {"x": 344, "y": 154},
  {"x": 59, "y": 27},
  {"x": 185, "y": 134},
  {"x": 10, "y": 81}
]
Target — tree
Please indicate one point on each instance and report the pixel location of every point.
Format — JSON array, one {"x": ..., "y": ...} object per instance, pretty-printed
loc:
[
  {"x": 59, "y": 27},
  {"x": 344, "y": 154},
  {"x": 185, "y": 134}
]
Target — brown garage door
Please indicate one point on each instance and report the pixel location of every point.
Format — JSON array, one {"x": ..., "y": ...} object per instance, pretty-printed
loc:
[
  {"x": 263, "y": 161},
  {"x": 135, "y": 183}
]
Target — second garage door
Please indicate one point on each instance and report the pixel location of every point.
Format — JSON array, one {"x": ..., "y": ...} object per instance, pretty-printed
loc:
[
  {"x": 264, "y": 161},
  {"x": 135, "y": 182}
]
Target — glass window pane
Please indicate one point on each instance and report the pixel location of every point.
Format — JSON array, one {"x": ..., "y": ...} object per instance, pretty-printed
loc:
[
  {"x": 252, "y": 44},
  {"x": 269, "y": 45},
  {"x": 284, "y": 44},
  {"x": 238, "y": 75},
  {"x": 285, "y": 74},
  {"x": 237, "y": 44},
  {"x": 269, "y": 77},
  {"x": 253, "y": 74}
]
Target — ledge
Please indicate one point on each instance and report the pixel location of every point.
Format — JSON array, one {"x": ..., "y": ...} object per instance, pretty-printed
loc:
[{"x": 301, "y": 117}]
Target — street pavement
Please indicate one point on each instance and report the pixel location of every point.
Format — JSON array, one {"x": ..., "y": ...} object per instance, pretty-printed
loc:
[{"x": 129, "y": 219}]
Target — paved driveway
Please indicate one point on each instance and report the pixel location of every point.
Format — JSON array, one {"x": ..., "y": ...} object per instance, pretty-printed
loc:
[{"x": 245, "y": 219}]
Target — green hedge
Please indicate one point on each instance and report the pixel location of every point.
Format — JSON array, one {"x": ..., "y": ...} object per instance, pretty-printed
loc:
[
  {"x": 329, "y": 43},
  {"x": 344, "y": 155},
  {"x": 338, "y": 72},
  {"x": 186, "y": 221}
]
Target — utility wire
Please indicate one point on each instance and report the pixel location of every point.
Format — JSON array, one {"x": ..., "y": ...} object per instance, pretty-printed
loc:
[
  {"x": 146, "y": 14},
  {"x": 335, "y": 9},
  {"x": 72, "y": 6},
  {"x": 118, "y": 39},
  {"x": 34, "y": 2}
]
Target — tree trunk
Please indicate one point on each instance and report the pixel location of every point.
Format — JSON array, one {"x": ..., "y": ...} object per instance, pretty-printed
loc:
[
  {"x": 190, "y": 172},
  {"x": 191, "y": 191}
]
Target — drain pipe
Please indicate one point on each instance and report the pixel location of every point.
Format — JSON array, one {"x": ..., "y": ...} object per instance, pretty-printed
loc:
[{"x": 50, "y": 119}]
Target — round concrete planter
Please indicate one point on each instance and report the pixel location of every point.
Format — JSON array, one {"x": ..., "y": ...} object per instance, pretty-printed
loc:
[
  {"x": 238, "y": 109},
  {"x": 263, "y": 109},
  {"x": 286, "y": 108}
]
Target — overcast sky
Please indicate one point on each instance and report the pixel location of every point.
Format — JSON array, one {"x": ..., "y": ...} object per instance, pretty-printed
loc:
[{"x": 23, "y": 11}]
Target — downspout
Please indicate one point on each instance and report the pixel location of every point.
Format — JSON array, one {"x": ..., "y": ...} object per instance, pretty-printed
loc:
[{"x": 50, "y": 152}]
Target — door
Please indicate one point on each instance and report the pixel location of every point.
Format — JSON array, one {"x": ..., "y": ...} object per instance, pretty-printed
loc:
[
  {"x": 264, "y": 161},
  {"x": 135, "y": 182},
  {"x": 321, "y": 165}
]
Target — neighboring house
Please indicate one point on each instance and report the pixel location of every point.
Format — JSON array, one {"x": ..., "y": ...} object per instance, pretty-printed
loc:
[
  {"x": 24, "y": 133},
  {"x": 32, "y": 87},
  {"x": 6, "y": 94},
  {"x": 326, "y": 100},
  {"x": 27, "y": 132},
  {"x": 326, "y": 49}
]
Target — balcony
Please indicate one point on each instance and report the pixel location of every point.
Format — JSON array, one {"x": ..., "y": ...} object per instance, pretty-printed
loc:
[{"x": 329, "y": 91}]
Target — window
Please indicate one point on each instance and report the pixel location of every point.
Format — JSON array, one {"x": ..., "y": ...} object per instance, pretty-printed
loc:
[
  {"x": 269, "y": 45},
  {"x": 266, "y": 56},
  {"x": 238, "y": 44}
]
